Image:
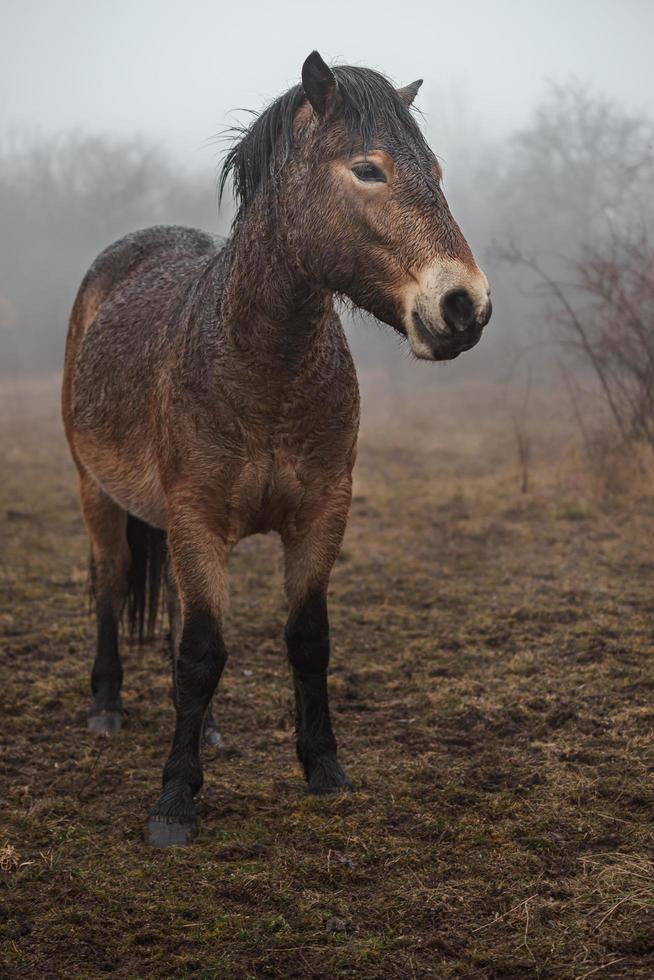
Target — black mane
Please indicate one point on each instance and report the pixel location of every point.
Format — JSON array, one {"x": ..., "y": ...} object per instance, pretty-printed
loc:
[{"x": 370, "y": 106}]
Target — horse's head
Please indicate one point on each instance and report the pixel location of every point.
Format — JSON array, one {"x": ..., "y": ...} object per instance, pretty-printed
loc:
[{"x": 358, "y": 192}]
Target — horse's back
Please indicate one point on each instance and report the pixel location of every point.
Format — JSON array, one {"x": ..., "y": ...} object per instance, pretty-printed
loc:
[
  {"x": 156, "y": 249},
  {"x": 116, "y": 259},
  {"x": 123, "y": 258}
]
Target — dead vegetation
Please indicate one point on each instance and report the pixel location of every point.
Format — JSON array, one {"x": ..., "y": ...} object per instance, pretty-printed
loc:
[{"x": 492, "y": 690}]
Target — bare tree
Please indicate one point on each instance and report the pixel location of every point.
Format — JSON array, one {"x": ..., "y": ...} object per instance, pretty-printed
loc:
[
  {"x": 62, "y": 199},
  {"x": 604, "y": 314},
  {"x": 592, "y": 260},
  {"x": 583, "y": 167}
]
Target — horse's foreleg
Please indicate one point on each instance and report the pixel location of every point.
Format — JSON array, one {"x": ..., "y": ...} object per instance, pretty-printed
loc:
[
  {"x": 211, "y": 735},
  {"x": 106, "y": 523},
  {"x": 199, "y": 560},
  {"x": 310, "y": 555}
]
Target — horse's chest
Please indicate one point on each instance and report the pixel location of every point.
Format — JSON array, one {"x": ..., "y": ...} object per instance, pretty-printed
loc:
[
  {"x": 289, "y": 482},
  {"x": 269, "y": 486}
]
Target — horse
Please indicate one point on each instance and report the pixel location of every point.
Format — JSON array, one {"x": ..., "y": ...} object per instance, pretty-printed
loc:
[{"x": 209, "y": 392}]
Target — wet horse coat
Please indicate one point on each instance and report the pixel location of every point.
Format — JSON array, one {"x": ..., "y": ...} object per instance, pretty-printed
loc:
[{"x": 209, "y": 392}]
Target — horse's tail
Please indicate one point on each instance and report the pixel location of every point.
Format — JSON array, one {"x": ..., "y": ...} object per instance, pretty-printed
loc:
[{"x": 146, "y": 574}]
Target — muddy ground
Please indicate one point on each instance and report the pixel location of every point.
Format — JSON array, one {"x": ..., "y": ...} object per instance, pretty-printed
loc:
[{"x": 492, "y": 692}]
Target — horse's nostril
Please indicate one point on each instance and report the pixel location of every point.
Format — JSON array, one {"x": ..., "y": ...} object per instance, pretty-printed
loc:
[{"x": 458, "y": 310}]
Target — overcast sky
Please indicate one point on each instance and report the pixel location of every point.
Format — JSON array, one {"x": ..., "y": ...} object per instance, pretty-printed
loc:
[{"x": 173, "y": 69}]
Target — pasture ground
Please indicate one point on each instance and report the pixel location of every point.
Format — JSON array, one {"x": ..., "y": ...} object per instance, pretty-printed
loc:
[{"x": 492, "y": 694}]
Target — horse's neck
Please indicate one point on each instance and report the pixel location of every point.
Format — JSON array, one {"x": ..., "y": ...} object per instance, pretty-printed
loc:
[{"x": 269, "y": 305}]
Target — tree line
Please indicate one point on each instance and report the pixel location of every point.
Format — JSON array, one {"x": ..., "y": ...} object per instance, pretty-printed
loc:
[{"x": 560, "y": 212}]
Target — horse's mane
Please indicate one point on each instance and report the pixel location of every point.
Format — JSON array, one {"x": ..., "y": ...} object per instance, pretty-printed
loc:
[{"x": 370, "y": 106}]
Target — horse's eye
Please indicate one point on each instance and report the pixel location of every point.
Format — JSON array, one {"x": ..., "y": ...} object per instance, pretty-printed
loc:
[{"x": 368, "y": 172}]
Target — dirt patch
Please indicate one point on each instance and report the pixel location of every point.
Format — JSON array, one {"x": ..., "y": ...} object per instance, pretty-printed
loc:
[{"x": 492, "y": 691}]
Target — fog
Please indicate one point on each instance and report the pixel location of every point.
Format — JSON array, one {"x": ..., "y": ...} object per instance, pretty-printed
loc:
[
  {"x": 174, "y": 70},
  {"x": 111, "y": 115}
]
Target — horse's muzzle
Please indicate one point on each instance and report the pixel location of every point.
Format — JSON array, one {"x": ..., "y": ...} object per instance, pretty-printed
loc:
[{"x": 457, "y": 326}]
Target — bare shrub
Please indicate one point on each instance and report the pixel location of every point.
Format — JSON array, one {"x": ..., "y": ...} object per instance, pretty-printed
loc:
[{"x": 604, "y": 316}]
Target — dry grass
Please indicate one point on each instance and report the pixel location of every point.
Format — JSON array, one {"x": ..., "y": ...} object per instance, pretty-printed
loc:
[{"x": 492, "y": 690}]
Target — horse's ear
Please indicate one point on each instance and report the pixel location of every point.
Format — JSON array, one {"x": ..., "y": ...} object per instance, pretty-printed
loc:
[
  {"x": 408, "y": 92},
  {"x": 319, "y": 84}
]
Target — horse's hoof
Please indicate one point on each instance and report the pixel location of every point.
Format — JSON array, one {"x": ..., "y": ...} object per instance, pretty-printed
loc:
[
  {"x": 105, "y": 721},
  {"x": 328, "y": 777},
  {"x": 330, "y": 789},
  {"x": 213, "y": 739},
  {"x": 169, "y": 832}
]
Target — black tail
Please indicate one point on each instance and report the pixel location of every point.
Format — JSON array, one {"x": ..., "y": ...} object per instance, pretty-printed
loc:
[{"x": 146, "y": 574}]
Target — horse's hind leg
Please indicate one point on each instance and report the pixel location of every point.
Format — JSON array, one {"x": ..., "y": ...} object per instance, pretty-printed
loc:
[
  {"x": 211, "y": 735},
  {"x": 309, "y": 559},
  {"x": 106, "y": 523}
]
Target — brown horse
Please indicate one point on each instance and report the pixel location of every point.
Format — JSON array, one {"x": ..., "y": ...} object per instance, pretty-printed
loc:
[{"x": 209, "y": 392}]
